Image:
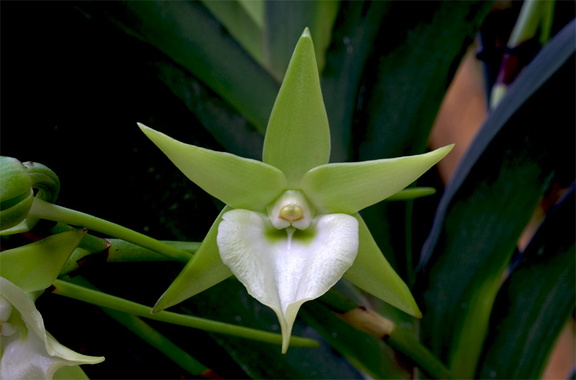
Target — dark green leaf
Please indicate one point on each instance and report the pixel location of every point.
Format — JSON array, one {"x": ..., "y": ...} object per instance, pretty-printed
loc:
[
  {"x": 230, "y": 302},
  {"x": 491, "y": 198},
  {"x": 367, "y": 352},
  {"x": 352, "y": 44},
  {"x": 534, "y": 302},
  {"x": 294, "y": 16},
  {"x": 419, "y": 47},
  {"x": 235, "y": 17},
  {"x": 188, "y": 34}
]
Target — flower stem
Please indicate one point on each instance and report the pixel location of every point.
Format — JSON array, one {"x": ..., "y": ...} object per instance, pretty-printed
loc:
[
  {"x": 46, "y": 210},
  {"x": 94, "y": 297}
]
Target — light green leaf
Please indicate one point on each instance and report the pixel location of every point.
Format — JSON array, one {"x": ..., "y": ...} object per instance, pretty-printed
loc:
[
  {"x": 203, "y": 271},
  {"x": 372, "y": 273},
  {"x": 35, "y": 266},
  {"x": 298, "y": 135},
  {"x": 236, "y": 181},
  {"x": 350, "y": 187}
]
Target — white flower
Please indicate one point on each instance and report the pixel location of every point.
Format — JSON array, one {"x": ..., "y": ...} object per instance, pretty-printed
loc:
[{"x": 27, "y": 350}]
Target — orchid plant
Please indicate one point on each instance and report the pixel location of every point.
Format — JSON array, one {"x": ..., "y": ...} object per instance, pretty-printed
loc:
[
  {"x": 321, "y": 256},
  {"x": 291, "y": 227}
]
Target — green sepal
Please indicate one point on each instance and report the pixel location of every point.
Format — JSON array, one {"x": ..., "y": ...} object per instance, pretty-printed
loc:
[
  {"x": 73, "y": 372},
  {"x": 298, "y": 135},
  {"x": 203, "y": 271},
  {"x": 36, "y": 266},
  {"x": 349, "y": 187},
  {"x": 237, "y": 181},
  {"x": 372, "y": 273}
]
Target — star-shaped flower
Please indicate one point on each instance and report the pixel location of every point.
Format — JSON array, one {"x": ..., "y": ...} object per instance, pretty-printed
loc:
[{"x": 291, "y": 227}]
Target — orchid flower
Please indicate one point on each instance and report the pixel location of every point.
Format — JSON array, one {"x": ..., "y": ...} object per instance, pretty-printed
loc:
[
  {"x": 291, "y": 229},
  {"x": 27, "y": 350}
]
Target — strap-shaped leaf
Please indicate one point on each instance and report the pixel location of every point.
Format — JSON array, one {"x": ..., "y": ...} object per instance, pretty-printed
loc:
[
  {"x": 372, "y": 272},
  {"x": 203, "y": 271},
  {"x": 350, "y": 187},
  {"x": 35, "y": 266},
  {"x": 489, "y": 201},
  {"x": 528, "y": 314},
  {"x": 236, "y": 181},
  {"x": 294, "y": 16},
  {"x": 298, "y": 135}
]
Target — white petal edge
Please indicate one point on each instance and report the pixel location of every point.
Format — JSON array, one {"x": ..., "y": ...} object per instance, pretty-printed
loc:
[
  {"x": 37, "y": 354},
  {"x": 285, "y": 268}
]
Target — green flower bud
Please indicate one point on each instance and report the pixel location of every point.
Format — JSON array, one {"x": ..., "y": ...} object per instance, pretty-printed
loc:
[
  {"x": 18, "y": 182},
  {"x": 16, "y": 194}
]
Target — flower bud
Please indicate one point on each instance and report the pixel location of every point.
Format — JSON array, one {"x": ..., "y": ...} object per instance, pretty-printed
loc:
[{"x": 16, "y": 194}]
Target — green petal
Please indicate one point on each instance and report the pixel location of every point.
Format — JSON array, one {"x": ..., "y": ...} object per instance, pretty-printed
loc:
[
  {"x": 236, "y": 181},
  {"x": 203, "y": 271},
  {"x": 372, "y": 273},
  {"x": 298, "y": 135},
  {"x": 350, "y": 187},
  {"x": 35, "y": 266}
]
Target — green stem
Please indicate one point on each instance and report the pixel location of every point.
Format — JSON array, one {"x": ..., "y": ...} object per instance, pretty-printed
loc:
[
  {"x": 123, "y": 251},
  {"x": 158, "y": 341},
  {"x": 94, "y": 297},
  {"x": 45, "y": 210},
  {"x": 151, "y": 336}
]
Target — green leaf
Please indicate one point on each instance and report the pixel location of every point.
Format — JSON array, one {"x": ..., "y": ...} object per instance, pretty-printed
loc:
[
  {"x": 189, "y": 35},
  {"x": 224, "y": 122},
  {"x": 294, "y": 16},
  {"x": 490, "y": 199},
  {"x": 298, "y": 135},
  {"x": 351, "y": 187},
  {"x": 229, "y": 302},
  {"x": 241, "y": 21},
  {"x": 236, "y": 181},
  {"x": 372, "y": 273},
  {"x": 254, "y": 8},
  {"x": 368, "y": 353},
  {"x": 528, "y": 314},
  {"x": 36, "y": 266},
  {"x": 415, "y": 58},
  {"x": 203, "y": 271},
  {"x": 352, "y": 44}
]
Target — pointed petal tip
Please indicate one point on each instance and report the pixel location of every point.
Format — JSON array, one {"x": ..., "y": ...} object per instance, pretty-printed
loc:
[
  {"x": 447, "y": 148},
  {"x": 306, "y": 33}
]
